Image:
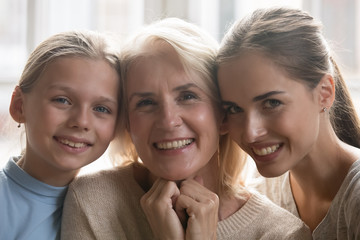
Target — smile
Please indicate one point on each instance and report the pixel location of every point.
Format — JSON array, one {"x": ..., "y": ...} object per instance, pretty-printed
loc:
[
  {"x": 72, "y": 144},
  {"x": 266, "y": 151},
  {"x": 173, "y": 144}
]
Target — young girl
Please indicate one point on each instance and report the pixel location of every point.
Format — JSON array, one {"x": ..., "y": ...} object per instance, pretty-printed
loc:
[
  {"x": 67, "y": 99},
  {"x": 289, "y": 108},
  {"x": 188, "y": 182}
]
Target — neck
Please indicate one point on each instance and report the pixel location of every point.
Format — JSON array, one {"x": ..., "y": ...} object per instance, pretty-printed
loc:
[
  {"x": 318, "y": 177},
  {"x": 49, "y": 175}
]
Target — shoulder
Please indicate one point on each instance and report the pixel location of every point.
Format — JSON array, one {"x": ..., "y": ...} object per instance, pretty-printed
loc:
[
  {"x": 102, "y": 177},
  {"x": 260, "y": 218},
  {"x": 350, "y": 187},
  {"x": 349, "y": 193},
  {"x": 279, "y": 220},
  {"x": 103, "y": 183}
]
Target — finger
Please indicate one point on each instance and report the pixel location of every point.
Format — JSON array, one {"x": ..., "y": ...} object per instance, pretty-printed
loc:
[
  {"x": 196, "y": 191},
  {"x": 162, "y": 193}
]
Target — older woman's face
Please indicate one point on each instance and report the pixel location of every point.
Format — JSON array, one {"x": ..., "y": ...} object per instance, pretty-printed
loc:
[{"x": 173, "y": 123}]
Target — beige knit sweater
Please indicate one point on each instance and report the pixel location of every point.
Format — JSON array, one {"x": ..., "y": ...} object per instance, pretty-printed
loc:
[{"x": 106, "y": 205}]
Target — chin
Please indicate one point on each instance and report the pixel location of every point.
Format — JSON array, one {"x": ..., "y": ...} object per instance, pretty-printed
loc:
[{"x": 270, "y": 173}]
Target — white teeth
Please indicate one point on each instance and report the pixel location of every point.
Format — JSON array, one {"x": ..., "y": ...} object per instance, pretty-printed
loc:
[
  {"x": 266, "y": 151},
  {"x": 174, "y": 144},
  {"x": 72, "y": 144}
]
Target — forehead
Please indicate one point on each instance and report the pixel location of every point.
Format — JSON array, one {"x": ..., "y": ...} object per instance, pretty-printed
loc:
[
  {"x": 80, "y": 73},
  {"x": 253, "y": 74}
]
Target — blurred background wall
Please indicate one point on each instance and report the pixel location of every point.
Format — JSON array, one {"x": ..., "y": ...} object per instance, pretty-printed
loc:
[{"x": 25, "y": 23}]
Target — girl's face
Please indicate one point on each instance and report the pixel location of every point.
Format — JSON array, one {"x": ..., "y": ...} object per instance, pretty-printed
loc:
[
  {"x": 274, "y": 118},
  {"x": 172, "y": 122},
  {"x": 70, "y": 114}
]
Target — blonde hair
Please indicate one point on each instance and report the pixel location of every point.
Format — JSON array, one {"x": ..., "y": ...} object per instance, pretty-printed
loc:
[
  {"x": 86, "y": 44},
  {"x": 197, "y": 52}
]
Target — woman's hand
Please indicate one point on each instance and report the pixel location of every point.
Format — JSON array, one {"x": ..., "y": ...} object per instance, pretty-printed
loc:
[
  {"x": 190, "y": 212},
  {"x": 158, "y": 204},
  {"x": 201, "y": 207}
]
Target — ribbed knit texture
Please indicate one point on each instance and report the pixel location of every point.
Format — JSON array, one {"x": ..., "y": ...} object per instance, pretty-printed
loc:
[
  {"x": 106, "y": 205},
  {"x": 342, "y": 220}
]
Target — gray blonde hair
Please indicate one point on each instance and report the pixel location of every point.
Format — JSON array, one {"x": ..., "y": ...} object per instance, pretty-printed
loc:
[
  {"x": 294, "y": 41},
  {"x": 197, "y": 51}
]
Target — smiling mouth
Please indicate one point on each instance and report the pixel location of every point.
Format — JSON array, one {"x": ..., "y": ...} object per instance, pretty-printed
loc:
[
  {"x": 266, "y": 151},
  {"x": 174, "y": 144},
  {"x": 72, "y": 144}
]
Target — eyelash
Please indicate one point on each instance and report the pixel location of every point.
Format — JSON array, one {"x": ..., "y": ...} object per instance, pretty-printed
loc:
[
  {"x": 268, "y": 104},
  {"x": 102, "y": 109},
  {"x": 185, "y": 96},
  {"x": 61, "y": 100},
  {"x": 144, "y": 103},
  {"x": 64, "y": 100},
  {"x": 272, "y": 103}
]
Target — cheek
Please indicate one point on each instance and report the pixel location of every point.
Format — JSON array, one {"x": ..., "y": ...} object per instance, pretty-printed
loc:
[
  {"x": 137, "y": 127},
  {"x": 300, "y": 129},
  {"x": 107, "y": 129}
]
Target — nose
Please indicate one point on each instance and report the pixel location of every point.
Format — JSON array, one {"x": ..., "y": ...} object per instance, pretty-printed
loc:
[
  {"x": 169, "y": 116},
  {"x": 254, "y": 128},
  {"x": 80, "y": 118}
]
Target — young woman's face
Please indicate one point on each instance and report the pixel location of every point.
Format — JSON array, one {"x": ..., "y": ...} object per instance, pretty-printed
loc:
[
  {"x": 275, "y": 119},
  {"x": 172, "y": 122},
  {"x": 70, "y": 114}
]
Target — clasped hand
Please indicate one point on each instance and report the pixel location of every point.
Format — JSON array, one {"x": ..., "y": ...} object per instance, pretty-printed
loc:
[{"x": 189, "y": 211}]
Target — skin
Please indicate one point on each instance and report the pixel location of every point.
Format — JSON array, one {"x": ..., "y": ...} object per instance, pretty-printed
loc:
[
  {"x": 166, "y": 107},
  {"x": 69, "y": 116},
  {"x": 281, "y": 124}
]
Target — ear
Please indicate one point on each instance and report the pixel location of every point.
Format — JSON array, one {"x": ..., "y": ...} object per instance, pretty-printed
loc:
[
  {"x": 326, "y": 91},
  {"x": 16, "y": 105}
]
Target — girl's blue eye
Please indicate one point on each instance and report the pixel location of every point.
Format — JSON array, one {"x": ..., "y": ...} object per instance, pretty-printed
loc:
[
  {"x": 272, "y": 103},
  {"x": 102, "y": 109},
  {"x": 62, "y": 100}
]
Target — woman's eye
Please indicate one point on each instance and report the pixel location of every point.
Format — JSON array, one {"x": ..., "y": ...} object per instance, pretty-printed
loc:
[
  {"x": 62, "y": 100},
  {"x": 272, "y": 103},
  {"x": 233, "y": 109},
  {"x": 188, "y": 96},
  {"x": 102, "y": 109},
  {"x": 144, "y": 103}
]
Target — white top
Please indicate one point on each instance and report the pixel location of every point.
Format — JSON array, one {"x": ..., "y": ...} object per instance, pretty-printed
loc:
[{"x": 342, "y": 220}]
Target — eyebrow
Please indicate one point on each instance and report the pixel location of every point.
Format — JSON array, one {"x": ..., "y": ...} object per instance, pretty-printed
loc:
[
  {"x": 69, "y": 89},
  {"x": 255, "y": 99},
  {"x": 266, "y": 95},
  {"x": 147, "y": 94}
]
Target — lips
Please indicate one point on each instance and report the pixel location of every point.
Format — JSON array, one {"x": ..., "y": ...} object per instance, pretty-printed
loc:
[
  {"x": 176, "y": 144},
  {"x": 266, "y": 150}
]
